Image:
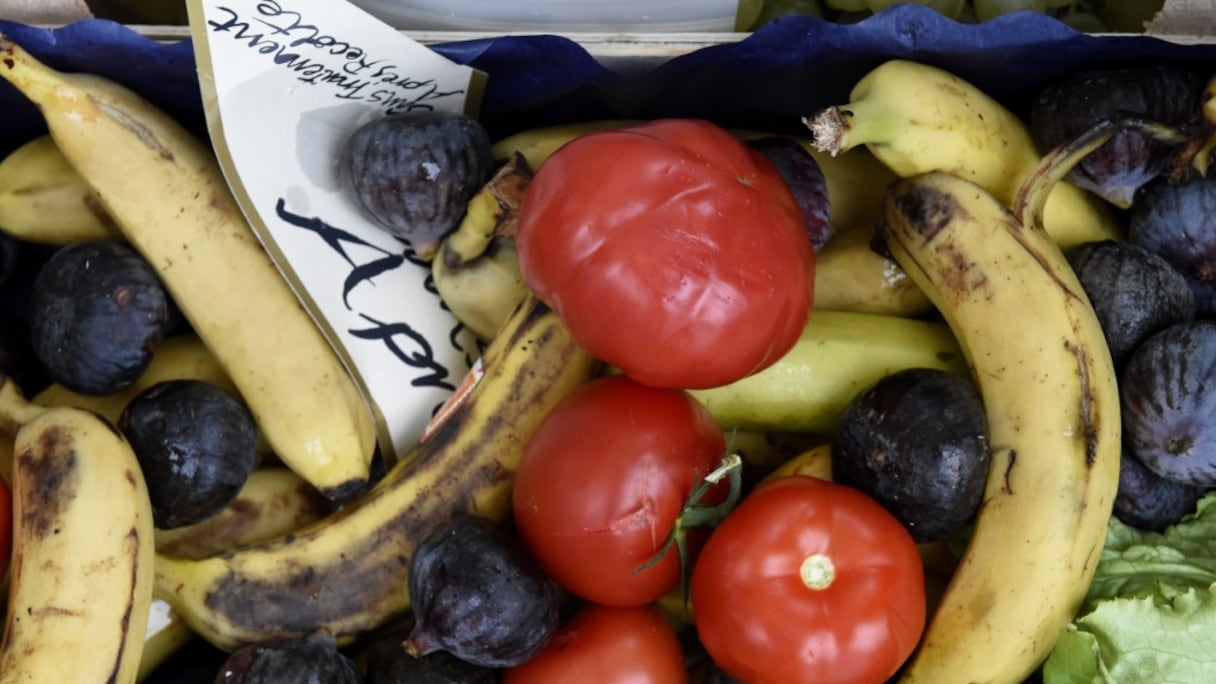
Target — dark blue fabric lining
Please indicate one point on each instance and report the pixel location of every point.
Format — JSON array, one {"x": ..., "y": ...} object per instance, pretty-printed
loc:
[{"x": 787, "y": 69}]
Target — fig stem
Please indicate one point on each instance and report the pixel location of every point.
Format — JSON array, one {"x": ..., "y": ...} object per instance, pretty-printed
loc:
[{"x": 1032, "y": 195}]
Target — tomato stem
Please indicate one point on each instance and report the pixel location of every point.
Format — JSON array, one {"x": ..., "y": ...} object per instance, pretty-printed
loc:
[
  {"x": 817, "y": 571},
  {"x": 697, "y": 514}
]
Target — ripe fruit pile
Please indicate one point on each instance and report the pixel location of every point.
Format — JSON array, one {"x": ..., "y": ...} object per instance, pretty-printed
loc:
[{"x": 958, "y": 348}]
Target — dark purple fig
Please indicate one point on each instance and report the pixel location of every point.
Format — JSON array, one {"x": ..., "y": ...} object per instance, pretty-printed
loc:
[
  {"x": 1134, "y": 292},
  {"x": 1178, "y": 222},
  {"x": 1148, "y": 501},
  {"x": 805, "y": 180},
  {"x": 314, "y": 658},
  {"x": 1168, "y": 396},
  {"x": 413, "y": 174},
  {"x": 1116, "y": 170},
  {"x": 196, "y": 445},
  {"x": 917, "y": 442},
  {"x": 98, "y": 312},
  {"x": 389, "y": 663},
  {"x": 479, "y": 595}
]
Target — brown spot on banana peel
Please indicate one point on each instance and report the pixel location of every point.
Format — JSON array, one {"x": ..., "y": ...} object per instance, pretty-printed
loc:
[
  {"x": 124, "y": 624},
  {"x": 50, "y": 468}
]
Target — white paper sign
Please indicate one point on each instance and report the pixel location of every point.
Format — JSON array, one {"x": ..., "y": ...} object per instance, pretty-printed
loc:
[{"x": 284, "y": 84}]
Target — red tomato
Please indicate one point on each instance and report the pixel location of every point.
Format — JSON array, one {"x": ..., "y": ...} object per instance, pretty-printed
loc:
[
  {"x": 603, "y": 480},
  {"x": 809, "y": 581},
  {"x": 671, "y": 250},
  {"x": 607, "y": 646}
]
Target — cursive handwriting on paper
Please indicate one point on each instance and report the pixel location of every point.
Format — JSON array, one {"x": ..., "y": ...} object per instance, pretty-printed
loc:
[{"x": 287, "y": 39}]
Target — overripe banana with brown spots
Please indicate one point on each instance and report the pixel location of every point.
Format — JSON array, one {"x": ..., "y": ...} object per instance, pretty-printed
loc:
[
  {"x": 80, "y": 582},
  {"x": 1040, "y": 360},
  {"x": 347, "y": 574}
]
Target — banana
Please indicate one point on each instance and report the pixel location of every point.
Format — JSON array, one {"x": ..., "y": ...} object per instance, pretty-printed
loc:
[
  {"x": 44, "y": 200},
  {"x": 476, "y": 268},
  {"x": 839, "y": 354},
  {"x": 166, "y": 634},
  {"x": 166, "y": 191},
  {"x": 176, "y": 358},
  {"x": 81, "y": 578},
  {"x": 917, "y": 118},
  {"x": 273, "y": 501},
  {"x": 1039, "y": 357},
  {"x": 850, "y": 276},
  {"x": 814, "y": 462},
  {"x": 855, "y": 179},
  {"x": 346, "y": 574}
]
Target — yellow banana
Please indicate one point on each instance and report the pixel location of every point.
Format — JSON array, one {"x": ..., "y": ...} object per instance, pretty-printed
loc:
[
  {"x": 346, "y": 574},
  {"x": 839, "y": 354},
  {"x": 850, "y": 276},
  {"x": 177, "y": 358},
  {"x": 917, "y": 118},
  {"x": 1039, "y": 357},
  {"x": 166, "y": 634},
  {"x": 166, "y": 191},
  {"x": 814, "y": 462},
  {"x": 273, "y": 501},
  {"x": 44, "y": 200},
  {"x": 855, "y": 179},
  {"x": 81, "y": 579},
  {"x": 476, "y": 269}
]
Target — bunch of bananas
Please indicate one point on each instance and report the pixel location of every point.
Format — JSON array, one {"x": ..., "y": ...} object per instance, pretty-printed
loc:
[{"x": 941, "y": 189}]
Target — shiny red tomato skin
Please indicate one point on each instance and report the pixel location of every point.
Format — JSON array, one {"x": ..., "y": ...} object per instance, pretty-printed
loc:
[
  {"x": 602, "y": 481},
  {"x": 760, "y": 622},
  {"x": 607, "y": 646},
  {"x": 671, "y": 250}
]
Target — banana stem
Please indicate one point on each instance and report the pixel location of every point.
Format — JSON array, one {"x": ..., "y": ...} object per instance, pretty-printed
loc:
[
  {"x": 843, "y": 127},
  {"x": 1032, "y": 195}
]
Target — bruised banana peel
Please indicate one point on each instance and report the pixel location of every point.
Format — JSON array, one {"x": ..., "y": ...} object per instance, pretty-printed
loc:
[
  {"x": 347, "y": 573},
  {"x": 81, "y": 578}
]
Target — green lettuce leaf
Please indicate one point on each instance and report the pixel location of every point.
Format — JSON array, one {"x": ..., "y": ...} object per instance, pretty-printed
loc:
[{"x": 1150, "y": 614}]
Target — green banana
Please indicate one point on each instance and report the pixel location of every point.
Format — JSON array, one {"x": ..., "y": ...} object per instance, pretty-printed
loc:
[
  {"x": 1039, "y": 358},
  {"x": 839, "y": 354},
  {"x": 44, "y": 200},
  {"x": 347, "y": 574},
  {"x": 81, "y": 577},
  {"x": 166, "y": 192},
  {"x": 917, "y": 118}
]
